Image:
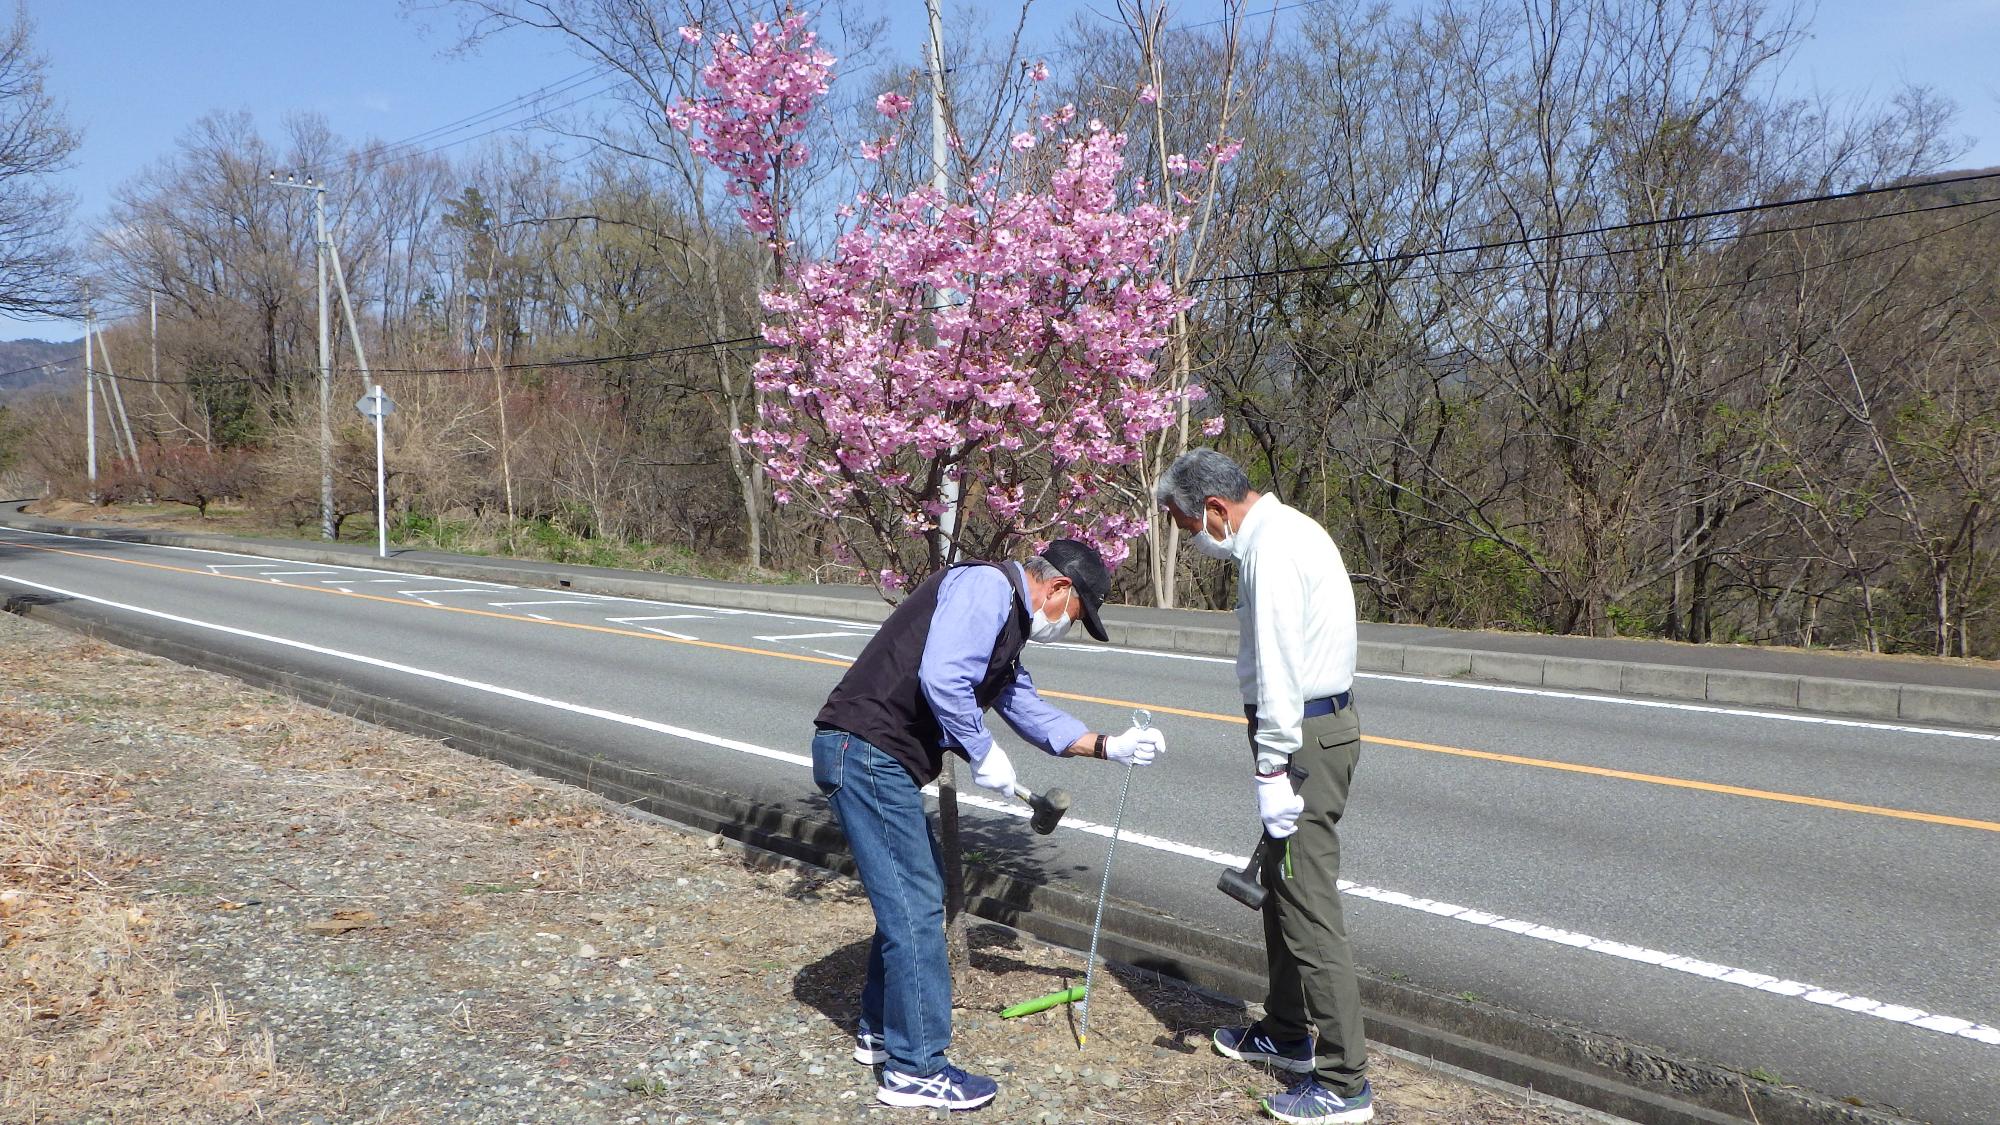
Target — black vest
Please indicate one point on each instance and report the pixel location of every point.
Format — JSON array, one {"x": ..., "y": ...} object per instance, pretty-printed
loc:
[{"x": 881, "y": 699}]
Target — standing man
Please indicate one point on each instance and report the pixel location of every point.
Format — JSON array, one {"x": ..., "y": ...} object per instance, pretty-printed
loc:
[
  {"x": 921, "y": 687},
  {"x": 1295, "y": 662}
]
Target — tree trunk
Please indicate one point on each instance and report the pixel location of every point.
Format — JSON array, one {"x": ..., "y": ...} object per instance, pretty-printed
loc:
[{"x": 954, "y": 866}]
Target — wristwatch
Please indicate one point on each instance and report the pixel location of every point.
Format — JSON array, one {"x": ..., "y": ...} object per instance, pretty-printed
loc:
[{"x": 1097, "y": 750}]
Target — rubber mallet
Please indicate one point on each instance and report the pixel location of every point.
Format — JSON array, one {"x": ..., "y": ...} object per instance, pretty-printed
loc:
[{"x": 1049, "y": 806}]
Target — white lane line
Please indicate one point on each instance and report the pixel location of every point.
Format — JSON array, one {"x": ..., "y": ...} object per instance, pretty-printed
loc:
[
  {"x": 1744, "y": 978},
  {"x": 1462, "y": 685},
  {"x": 267, "y": 560},
  {"x": 539, "y": 617},
  {"x": 661, "y": 617},
  {"x": 1724, "y": 974},
  {"x": 835, "y": 655},
  {"x": 545, "y": 601},
  {"x": 1580, "y": 696},
  {"x": 446, "y": 590},
  {"x": 292, "y": 573},
  {"x": 1699, "y": 708},
  {"x": 667, "y": 633},
  {"x": 807, "y": 636}
]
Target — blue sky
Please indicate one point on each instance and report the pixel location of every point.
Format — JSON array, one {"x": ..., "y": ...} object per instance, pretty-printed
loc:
[{"x": 135, "y": 73}]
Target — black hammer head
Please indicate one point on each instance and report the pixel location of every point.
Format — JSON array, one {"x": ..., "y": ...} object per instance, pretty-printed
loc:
[{"x": 1049, "y": 807}]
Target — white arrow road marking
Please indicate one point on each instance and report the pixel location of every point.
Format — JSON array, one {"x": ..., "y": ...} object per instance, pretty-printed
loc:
[{"x": 1721, "y": 974}]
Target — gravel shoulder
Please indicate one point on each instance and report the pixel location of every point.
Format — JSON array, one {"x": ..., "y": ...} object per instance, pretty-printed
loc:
[{"x": 220, "y": 905}]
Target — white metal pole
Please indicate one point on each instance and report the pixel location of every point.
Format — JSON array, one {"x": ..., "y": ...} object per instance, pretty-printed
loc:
[
  {"x": 325, "y": 374},
  {"x": 90, "y": 404},
  {"x": 381, "y": 491}
]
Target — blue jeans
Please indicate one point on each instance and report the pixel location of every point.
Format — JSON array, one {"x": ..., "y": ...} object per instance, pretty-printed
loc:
[{"x": 907, "y": 996}]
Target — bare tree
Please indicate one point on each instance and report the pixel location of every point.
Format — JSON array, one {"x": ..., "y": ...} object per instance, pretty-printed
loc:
[{"x": 35, "y": 143}]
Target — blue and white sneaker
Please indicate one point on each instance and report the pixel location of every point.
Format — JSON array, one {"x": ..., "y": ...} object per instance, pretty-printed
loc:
[
  {"x": 870, "y": 1049},
  {"x": 1306, "y": 1102},
  {"x": 1254, "y": 1044},
  {"x": 950, "y": 1088}
]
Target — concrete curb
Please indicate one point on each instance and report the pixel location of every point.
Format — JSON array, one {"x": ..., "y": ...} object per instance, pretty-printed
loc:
[
  {"x": 1599, "y": 1072},
  {"x": 1844, "y": 698}
]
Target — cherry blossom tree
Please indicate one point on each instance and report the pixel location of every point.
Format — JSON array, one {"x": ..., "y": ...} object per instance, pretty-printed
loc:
[{"x": 999, "y": 347}]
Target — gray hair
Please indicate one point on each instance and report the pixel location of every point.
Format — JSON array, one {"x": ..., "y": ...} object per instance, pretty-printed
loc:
[
  {"x": 1041, "y": 569},
  {"x": 1197, "y": 475}
]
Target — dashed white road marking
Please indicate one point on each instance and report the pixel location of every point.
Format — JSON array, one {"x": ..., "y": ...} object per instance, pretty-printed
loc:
[
  {"x": 806, "y": 636},
  {"x": 836, "y": 655},
  {"x": 1722, "y": 974},
  {"x": 545, "y": 601},
  {"x": 294, "y": 573},
  {"x": 446, "y": 590},
  {"x": 660, "y": 617},
  {"x": 1461, "y": 685},
  {"x": 668, "y": 633}
]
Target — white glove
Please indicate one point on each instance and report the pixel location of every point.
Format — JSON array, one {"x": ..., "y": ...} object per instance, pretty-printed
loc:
[
  {"x": 995, "y": 772},
  {"x": 1135, "y": 747},
  {"x": 1278, "y": 805}
]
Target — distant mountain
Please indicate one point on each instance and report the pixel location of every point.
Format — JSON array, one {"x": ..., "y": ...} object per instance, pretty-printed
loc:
[{"x": 30, "y": 367}]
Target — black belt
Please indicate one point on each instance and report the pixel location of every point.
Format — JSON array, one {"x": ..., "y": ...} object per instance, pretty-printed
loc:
[{"x": 1329, "y": 705}]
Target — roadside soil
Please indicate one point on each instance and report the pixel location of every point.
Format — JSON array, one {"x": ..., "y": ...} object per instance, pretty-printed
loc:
[{"x": 219, "y": 904}]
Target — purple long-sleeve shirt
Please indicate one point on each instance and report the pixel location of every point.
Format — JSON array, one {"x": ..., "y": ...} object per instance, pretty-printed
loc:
[{"x": 972, "y": 604}]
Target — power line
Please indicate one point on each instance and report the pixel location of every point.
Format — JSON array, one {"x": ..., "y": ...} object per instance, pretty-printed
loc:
[
  {"x": 415, "y": 142},
  {"x": 1611, "y": 252},
  {"x": 1414, "y": 255},
  {"x": 481, "y": 369},
  {"x": 39, "y": 366},
  {"x": 1610, "y": 228}
]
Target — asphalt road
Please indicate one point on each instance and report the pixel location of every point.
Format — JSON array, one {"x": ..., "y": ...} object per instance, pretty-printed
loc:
[{"x": 1814, "y": 898}]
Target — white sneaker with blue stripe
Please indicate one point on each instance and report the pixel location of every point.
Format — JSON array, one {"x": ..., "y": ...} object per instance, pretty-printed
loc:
[
  {"x": 950, "y": 1088},
  {"x": 870, "y": 1049},
  {"x": 1306, "y": 1102}
]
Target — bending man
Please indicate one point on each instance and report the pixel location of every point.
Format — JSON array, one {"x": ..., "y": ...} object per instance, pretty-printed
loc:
[{"x": 947, "y": 653}]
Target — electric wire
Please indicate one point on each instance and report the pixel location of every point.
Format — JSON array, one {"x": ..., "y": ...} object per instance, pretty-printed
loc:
[{"x": 1347, "y": 264}]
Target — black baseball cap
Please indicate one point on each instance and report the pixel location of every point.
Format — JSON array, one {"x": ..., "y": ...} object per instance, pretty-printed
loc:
[{"x": 1084, "y": 567}]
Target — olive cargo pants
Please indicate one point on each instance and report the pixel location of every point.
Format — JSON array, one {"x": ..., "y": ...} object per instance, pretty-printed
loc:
[{"x": 1312, "y": 985}]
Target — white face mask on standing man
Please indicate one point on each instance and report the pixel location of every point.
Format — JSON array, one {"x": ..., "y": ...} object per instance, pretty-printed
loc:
[{"x": 1223, "y": 548}]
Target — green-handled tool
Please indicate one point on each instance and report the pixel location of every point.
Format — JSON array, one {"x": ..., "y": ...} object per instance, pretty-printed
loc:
[{"x": 1042, "y": 1003}]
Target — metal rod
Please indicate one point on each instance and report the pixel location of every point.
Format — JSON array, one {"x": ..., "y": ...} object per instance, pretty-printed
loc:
[{"x": 1140, "y": 720}]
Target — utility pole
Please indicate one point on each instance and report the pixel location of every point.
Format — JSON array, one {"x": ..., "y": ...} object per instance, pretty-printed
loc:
[
  {"x": 947, "y": 531},
  {"x": 318, "y": 191},
  {"x": 90, "y": 401},
  {"x": 371, "y": 390}
]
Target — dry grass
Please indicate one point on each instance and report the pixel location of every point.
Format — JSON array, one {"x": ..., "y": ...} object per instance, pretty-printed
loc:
[
  {"x": 91, "y": 1023},
  {"x": 145, "y": 809}
]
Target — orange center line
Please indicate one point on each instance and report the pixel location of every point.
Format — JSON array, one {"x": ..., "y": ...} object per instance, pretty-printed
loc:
[{"x": 1156, "y": 708}]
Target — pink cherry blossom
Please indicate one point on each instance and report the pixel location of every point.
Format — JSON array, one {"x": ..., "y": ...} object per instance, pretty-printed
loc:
[
  {"x": 1148, "y": 94},
  {"x": 892, "y": 104},
  {"x": 1029, "y": 386}
]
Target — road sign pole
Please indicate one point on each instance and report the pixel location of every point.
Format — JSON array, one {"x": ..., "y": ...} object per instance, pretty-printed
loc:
[
  {"x": 376, "y": 405},
  {"x": 381, "y": 494}
]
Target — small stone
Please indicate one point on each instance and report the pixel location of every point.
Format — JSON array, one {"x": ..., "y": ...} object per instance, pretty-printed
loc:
[{"x": 715, "y": 841}]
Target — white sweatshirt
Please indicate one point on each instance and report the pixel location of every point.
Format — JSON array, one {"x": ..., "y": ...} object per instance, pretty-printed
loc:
[{"x": 1295, "y": 621}]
